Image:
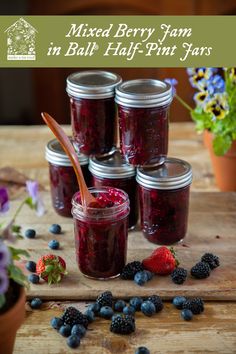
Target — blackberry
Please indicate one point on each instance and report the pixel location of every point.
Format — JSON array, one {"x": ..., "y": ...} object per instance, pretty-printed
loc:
[
  {"x": 131, "y": 269},
  {"x": 195, "y": 305},
  {"x": 72, "y": 316},
  {"x": 105, "y": 299},
  {"x": 211, "y": 259},
  {"x": 201, "y": 270},
  {"x": 122, "y": 324},
  {"x": 157, "y": 301},
  {"x": 179, "y": 275}
]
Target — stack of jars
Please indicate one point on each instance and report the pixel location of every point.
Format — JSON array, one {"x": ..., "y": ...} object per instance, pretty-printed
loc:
[{"x": 139, "y": 167}]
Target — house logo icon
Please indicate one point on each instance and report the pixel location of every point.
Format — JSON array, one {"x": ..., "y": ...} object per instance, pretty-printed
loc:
[{"x": 21, "y": 41}]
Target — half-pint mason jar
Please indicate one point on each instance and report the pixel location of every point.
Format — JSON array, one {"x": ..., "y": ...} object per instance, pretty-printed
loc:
[
  {"x": 164, "y": 201},
  {"x": 113, "y": 171},
  {"x": 63, "y": 181},
  {"x": 101, "y": 233},
  {"x": 143, "y": 107},
  {"x": 92, "y": 108}
]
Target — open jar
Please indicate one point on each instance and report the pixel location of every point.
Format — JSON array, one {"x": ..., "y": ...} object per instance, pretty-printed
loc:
[
  {"x": 63, "y": 181},
  {"x": 143, "y": 107},
  {"x": 101, "y": 233},
  {"x": 164, "y": 201},
  {"x": 92, "y": 108},
  {"x": 113, "y": 171}
]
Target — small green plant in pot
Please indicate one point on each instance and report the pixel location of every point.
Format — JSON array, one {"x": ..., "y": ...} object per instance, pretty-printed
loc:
[
  {"x": 215, "y": 115},
  {"x": 12, "y": 279}
]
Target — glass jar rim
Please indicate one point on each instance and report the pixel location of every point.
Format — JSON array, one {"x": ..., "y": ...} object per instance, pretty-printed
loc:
[{"x": 96, "y": 213}]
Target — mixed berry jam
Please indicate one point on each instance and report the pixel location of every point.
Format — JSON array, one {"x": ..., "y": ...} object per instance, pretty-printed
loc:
[
  {"x": 101, "y": 233},
  {"x": 64, "y": 185},
  {"x": 144, "y": 134},
  {"x": 129, "y": 185},
  {"x": 164, "y": 214},
  {"x": 143, "y": 107},
  {"x": 93, "y": 123}
]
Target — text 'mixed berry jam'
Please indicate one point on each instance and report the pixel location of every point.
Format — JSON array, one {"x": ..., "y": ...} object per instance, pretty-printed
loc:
[
  {"x": 92, "y": 108},
  {"x": 164, "y": 200},
  {"x": 63, "y": 181},
  {"x": 143, "y": 107},
  {"x": 113, "y": 171},
  {"x": 101, "y": 232}
]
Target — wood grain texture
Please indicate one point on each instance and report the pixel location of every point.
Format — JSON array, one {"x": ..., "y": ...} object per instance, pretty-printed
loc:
[
  {"x": 23, "y": 148},
  {"x": 214, "y": 332},
  {"x": 211, "y": 215}
]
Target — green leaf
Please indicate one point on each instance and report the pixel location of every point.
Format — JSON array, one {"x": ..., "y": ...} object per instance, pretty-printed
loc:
[
  {"x": 16, "y": 253},
  {"x": 16, "y": 228},
  {"x": 221, "y": 144},
  {"x": 29, "y": 202},
  {"x": 16, "y": 274},
  {"x": 2, "y": 300}
]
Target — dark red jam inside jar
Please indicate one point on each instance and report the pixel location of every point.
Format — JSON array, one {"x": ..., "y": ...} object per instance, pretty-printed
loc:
[
  {"x": 143, "y": 107},
  {"x": 164, "y": 201},
  {"x": 93, "y": 110},
  {"x": 63, "y": 181},
  {"x": 101, "y": 233},
  {"x": 113, "y": 171}
]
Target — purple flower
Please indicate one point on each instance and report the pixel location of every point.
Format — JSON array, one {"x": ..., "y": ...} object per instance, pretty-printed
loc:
[
  {"x": 36, "y": 201},
  {"x": 4, "y": 281},
  {"x": 173, "y": 82},
  {"x": 4, "y": 200},
  {"x": 4, "y": 255}
]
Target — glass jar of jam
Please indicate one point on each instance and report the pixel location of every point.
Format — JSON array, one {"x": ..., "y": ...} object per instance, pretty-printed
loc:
[
  {"x": 143, "y": 107},
  {"x": 113, "y": 171},
  {"x": 101, "y": 233},
  {"x": 164, "y": 200},
  {"x": 63, "y": 181},
  {"x": 92, "y": 108}
]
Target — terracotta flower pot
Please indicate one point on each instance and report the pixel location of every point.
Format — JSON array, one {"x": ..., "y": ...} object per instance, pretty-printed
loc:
[
  {"x": 224, "y": 166},
  {"x": 10, "y": 322}
]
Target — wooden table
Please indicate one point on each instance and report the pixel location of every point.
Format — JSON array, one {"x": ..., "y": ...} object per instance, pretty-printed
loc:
[{"x": 212, "y": 332}]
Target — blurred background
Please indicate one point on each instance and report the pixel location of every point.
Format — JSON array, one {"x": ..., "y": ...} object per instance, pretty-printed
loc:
[{"x": 24, "y": 93}]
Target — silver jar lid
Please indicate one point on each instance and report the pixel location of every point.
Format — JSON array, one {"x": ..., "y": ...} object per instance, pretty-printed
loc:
[
  {"x": 112, "y": 166},
  {"x": 144, "y": 93},
  {"x": 92, "y": 84},
  {"x": 173, "y": 174},
  {"x": 55, "y": 154}
]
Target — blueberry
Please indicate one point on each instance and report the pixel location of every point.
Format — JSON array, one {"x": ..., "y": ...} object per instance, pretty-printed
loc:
[
  {"x": 150, "y": 275},
  {"x": 148, "y": 308},
  {"x": 56, "y": 322},
  {"x": 54, "y": 244},
  {"x": 141, "y": 278},
  {"x": 65, "y": 330},
  {"x": 33, "y": 278},
  {"x": 136, "y": 302},
  {"x": 31, "y": 266},
  {"x": 95, "y": 307},
  {"x": 129, "y": 310},
  {"x": 78, "y": 330},
  {"x": 142, "y": 350},
  {"x": 115, "y": 316},
  {"x": 119, "y": 305},
  {"x": 106, "y": 312},
  {"x": 73, "y": 341},
  {"x": 55, "y": 229},
  {"x": 186, "y": 314},
  {"x": 178, "y": 302},
  {"x": 30, "y": 233},
  {"x": 36, "y": 303},
  {"x": 90, "y": 315}
]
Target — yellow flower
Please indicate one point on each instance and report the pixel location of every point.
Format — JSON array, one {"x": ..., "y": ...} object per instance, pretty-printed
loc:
[{"x": 218, "y": 106}]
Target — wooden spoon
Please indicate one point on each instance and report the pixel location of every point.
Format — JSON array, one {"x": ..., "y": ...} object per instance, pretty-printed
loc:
[{"x": 86, "y": 197}]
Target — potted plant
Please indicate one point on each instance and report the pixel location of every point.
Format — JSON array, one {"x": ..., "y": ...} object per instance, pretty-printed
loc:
[
  {"x": 215, "y": 115},
  {"x": 12, "y": 279}
]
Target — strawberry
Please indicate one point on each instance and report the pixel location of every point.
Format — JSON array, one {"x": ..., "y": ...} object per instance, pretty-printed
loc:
[
  {"x": 51, "y": 268},
  {"x": 161, "y": 261}
]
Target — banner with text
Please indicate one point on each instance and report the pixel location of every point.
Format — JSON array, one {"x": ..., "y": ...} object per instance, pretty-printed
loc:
[{"x": 117, "y": 41}]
